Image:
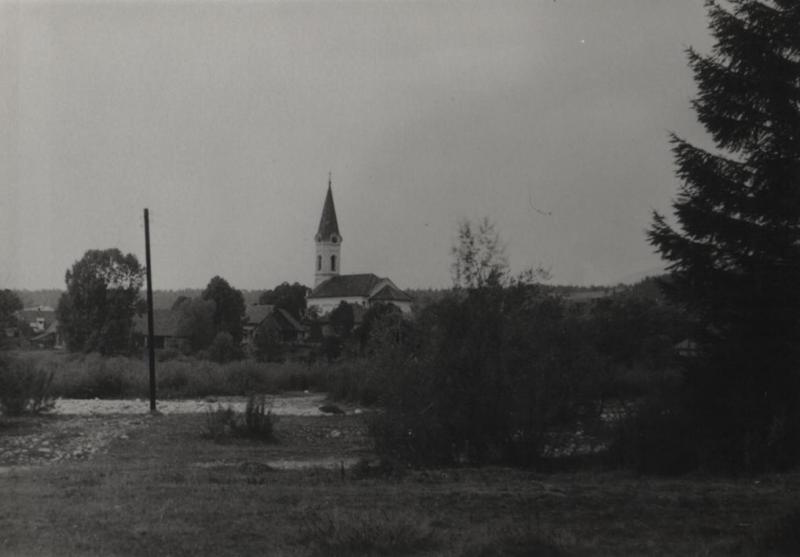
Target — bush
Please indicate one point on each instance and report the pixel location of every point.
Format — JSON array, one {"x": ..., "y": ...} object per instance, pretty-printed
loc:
[
  {"x": 24, "y": 388},
  {"x": 656, "y": 436},
  {"x": 224, "y": 349},
  {"x": 257, "y": 422},
  {"x": 357, "y": 381}
]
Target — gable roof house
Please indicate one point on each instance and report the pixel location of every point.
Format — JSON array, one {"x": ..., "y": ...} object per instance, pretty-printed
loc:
[
  {"x": 330, "y": 287},
  {"x": 166, "y": 330},
  {"x": 289, "y": 328},
  {"x": 43, "y": 324}
]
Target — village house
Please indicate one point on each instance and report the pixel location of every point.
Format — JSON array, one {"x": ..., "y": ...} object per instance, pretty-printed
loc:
[
  {"x": 42, "y": 325},
  {"x": 166, "y": 330},
  {"x": 257, "y": 315}
]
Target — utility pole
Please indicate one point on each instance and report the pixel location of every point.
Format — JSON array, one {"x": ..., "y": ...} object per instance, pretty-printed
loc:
[{"x": 150, "y": 336}]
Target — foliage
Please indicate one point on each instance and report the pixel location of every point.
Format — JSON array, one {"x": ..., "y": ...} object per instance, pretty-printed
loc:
[
  {"x": 479, "y": 257},
  {"x": 267, "y": 345},
  {"x": 229, "y": 308},
  {"x": 291, "y": 297},
  {"x": 257, "y": 422},
  {"x": 355, "y": 380},
  {"x": 96, "y": 312},
  {"x": 10, "y": 302},
  {"x": 92, "y": 375},
  {"x": 654, "y": 436},
  {"x": 196, "y": 321},
  {"x": 24, "y": 388},
  {"x": 342, "y": 320},
  {"x": 223, "y": 348},
  {"x": 372, "y": 319},
  {"x": 734, "y": 256}
]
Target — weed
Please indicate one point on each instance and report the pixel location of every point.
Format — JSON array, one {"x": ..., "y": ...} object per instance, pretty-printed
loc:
[
  {"x": 257, "y": 422},
  {"x": 220, "y": 423}
]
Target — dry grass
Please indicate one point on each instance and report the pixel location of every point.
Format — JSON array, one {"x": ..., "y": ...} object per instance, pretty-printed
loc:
[
  {"x": 167, "y": 491},
  {"x": 92, "y": 375}
]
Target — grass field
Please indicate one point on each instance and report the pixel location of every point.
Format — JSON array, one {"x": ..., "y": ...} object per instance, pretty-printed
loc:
[{"x": 162, "y": 488}]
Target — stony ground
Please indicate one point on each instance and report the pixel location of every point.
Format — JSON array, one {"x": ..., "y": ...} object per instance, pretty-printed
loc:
[
  {"x": 75, "y": 430},
  {"x": 48, "y": 439}
]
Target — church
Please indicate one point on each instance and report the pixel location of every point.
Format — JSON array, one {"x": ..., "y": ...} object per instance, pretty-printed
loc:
[{"x": 331, "y": 287}]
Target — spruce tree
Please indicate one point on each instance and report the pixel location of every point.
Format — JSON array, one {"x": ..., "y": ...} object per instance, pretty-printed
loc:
[{"x": 734, "y": 254}]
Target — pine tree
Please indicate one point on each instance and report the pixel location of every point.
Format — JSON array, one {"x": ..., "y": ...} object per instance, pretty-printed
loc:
[{"x": 735, "y": 259}]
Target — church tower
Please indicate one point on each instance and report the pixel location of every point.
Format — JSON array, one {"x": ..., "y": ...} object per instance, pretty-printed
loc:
[{"x": 328, "y": 241}]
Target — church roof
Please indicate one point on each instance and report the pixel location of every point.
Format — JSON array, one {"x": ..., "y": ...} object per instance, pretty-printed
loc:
[
  {"x": 366, "y": 285},
  {"x": 390, "y": 293},
  {"x": 327, "y": 222},
  {"x": 346, "y": 285}
]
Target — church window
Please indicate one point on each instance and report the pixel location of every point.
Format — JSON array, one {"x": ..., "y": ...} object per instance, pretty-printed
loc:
[
  {"x": 319, "y": 263},
  {"x": 333, "y": 262},
  {"x": 334, "y": 238}
]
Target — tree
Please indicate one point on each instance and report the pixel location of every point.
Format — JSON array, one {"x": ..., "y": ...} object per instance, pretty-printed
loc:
[
  {"x": 196, "y": 321},
  {"x": 291, "y": 297},
  {"x": 96, "y": 312},
  {"x": 479, "y": 257},
  {"x": 229, "y": 310},
  {"x": 267, "y": 342},
  {"x": 9, "y": 304},
  {"x": 342, "y": 319},
  {"x": 734, "y": 254}
]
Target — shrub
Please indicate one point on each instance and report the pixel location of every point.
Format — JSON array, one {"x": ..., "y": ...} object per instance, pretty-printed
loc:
[
  {"x": 257, "y": 422},
  {"x": 357, "y": 380},
  {"x": 220, "y": 423},
  {"x": 24, "y": 387},
  {"x": 779, "y": 536},
  {"x": 656, "y": 436},
  {"x": 223, "y": 348}
]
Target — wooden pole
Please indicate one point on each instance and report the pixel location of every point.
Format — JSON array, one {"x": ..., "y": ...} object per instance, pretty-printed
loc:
[{"x": 151, "y": 348}]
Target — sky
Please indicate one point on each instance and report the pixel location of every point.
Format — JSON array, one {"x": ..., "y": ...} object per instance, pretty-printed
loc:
[{"x": 549, "y": 117}]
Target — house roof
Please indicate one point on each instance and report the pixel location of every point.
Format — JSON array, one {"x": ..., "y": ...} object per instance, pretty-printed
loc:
[
  {"x": 165, "y": 323},
  {"x": 51, "y": 329},
  {"x": 342, "y": 286},
  {"x": 289, "y": 321},
  {"x": 327, "y": 222},
  {"x": 256, "y": 313},
  {"x": 31, "y": 314}
]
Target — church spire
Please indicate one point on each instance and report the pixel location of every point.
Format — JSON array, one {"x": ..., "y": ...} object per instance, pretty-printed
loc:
[
  {"x": 328, "y": 241},
  {"x": 328, "y": 226}
]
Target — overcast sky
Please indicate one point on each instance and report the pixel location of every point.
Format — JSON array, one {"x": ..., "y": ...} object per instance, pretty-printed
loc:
[{"x": 550, "y": 117}]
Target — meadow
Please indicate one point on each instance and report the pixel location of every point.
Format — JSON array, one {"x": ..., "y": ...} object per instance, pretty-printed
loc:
[
  {"x": 165, "y": 488},
  {"x": 186, "y": 484}
]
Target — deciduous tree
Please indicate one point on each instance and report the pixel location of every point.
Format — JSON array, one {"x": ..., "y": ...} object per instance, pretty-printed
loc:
[
  {"x": 103, "y": 294},
  {"x": 229, "y": 309},
  {"x": 291, "y": 297}
]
